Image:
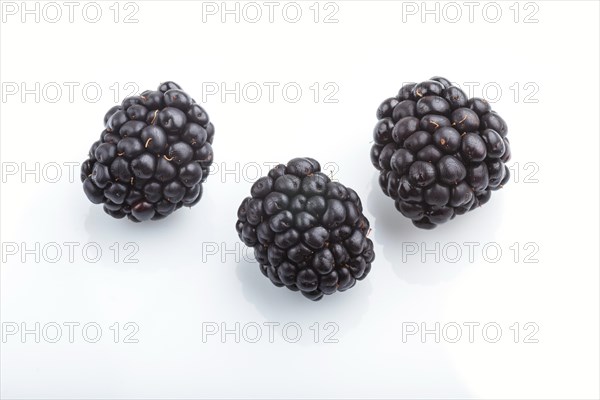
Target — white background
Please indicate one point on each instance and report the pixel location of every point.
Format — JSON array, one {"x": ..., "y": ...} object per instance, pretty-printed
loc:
[{"x": 174, "y": 288}]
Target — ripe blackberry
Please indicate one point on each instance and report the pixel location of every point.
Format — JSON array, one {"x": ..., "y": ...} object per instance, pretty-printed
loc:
[
  {"x": 440, "y": 153},
  {"x": 152, "y": 156},
  {"x": 308, "y": 233}
]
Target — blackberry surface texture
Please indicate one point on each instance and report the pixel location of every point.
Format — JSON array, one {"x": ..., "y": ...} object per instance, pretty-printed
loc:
[
  {"x": 152, "y": 156},
  {"x": 308, "y": 232},
  {"x": 439, "y": 153}
]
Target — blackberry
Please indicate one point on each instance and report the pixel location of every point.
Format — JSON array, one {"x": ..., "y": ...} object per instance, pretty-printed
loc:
[
  {"x": 308, "y": 233},
  {"x": 439, "y": 153},
  {"x": 152, "y": 157}
]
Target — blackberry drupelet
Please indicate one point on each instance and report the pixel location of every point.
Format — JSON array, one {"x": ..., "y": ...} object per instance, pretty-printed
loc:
[
  {"x": 440, "y": 153},
  {"x": 152, "y": 156},
  {"x": 308, "y": 233}
]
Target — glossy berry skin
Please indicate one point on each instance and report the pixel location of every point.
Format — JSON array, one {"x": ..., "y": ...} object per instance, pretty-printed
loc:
[
  {"x": 308, "y": 233},
  {"x": 152, "y": 157},
  {"x": 439, "y": 153}
]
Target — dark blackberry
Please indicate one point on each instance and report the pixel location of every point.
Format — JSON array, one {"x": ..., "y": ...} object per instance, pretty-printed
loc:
[
  {"x": 308, "y": 233},
  {"x": 439, "y": 153},
  {"x": 152, "y": 157}
]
